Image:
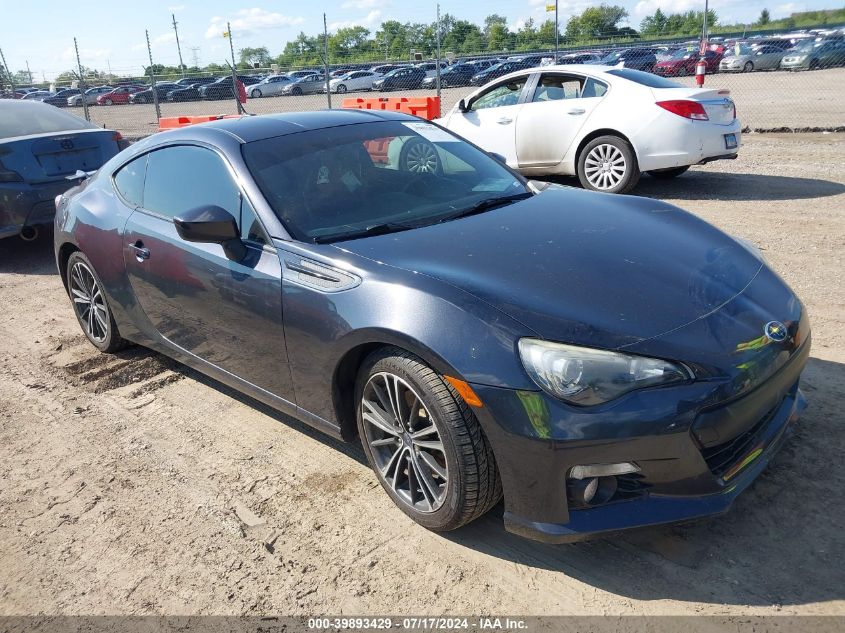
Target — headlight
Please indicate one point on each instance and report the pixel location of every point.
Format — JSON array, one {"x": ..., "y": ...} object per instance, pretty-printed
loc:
[{"x": 585, "y": 376}]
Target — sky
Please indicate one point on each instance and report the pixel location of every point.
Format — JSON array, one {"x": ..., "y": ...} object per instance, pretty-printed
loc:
[{"x": 111, "y": 34}]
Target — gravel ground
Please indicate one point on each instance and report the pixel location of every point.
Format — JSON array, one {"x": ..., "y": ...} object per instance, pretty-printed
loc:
[
  {"x": 765, "y": 101},
  {"x": 132, "y": 485}
]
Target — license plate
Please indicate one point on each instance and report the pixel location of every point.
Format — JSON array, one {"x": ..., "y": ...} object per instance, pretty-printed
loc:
[{"x": 730, "y": 141}]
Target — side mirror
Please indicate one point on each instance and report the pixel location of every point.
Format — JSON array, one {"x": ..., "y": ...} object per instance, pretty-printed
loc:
[
  {"x": 462, "y": 106},
  {"x": 211, "y": 225},
  {"x": 499, "y": 158}
]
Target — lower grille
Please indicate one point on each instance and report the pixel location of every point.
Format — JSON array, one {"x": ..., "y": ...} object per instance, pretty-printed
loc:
[{"x": 722, "y": 457}]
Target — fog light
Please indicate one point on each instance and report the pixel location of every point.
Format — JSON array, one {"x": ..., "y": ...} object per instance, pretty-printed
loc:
[
  {"x": 592, "y": 491},
  {"x": 603, "y": 470}
]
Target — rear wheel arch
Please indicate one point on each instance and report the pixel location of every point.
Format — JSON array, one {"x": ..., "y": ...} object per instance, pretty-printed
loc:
[
  {"x": 65, "y": 251},
  {"x": 602, "y": 132}
]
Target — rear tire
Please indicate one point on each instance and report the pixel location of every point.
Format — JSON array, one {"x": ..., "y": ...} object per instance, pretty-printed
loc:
[
  {"x": 667, "y": 174},
  {"x": 608, "y": 164},
  {"x": 90, "y": 305},
  {"x": 424, "y": 443}
]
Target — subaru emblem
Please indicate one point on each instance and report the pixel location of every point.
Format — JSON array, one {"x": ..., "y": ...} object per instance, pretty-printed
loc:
[{"x": 775, "y": 331}]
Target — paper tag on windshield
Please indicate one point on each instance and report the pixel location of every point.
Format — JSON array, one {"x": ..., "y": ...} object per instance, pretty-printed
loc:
[{"x": 431, "y": 132}]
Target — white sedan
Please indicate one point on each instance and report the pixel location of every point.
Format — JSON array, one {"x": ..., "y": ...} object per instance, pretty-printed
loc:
[
  {"x": 355, "y": 80},
  {"x": 268, "y": 86},
  {"x": 606, "y": 125}
]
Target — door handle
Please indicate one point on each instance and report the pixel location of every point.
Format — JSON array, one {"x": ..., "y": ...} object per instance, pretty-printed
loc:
[
  {"x": 141, "y": 252},
  {"x": 504, "y": 121},
  {"x": 577, "y": 111}
]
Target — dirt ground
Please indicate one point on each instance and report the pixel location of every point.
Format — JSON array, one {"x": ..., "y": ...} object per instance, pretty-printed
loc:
[
  {"x": 131, "y": 485},
  {"x": 764, "y": 101}
]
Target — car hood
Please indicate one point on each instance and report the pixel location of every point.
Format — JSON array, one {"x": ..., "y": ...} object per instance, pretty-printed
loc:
[{"x": 579, "y": 267}]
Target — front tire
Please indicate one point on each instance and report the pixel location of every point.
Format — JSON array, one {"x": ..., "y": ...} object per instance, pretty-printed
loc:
[
  {"x": 424, "y": 443},
  {"x": 296, "y": 92},
  {"x": 667, "y": 174},
  {"x": 749, "y": 66},
  {"x": 341, "y": 89},
  {"x": 108, "y": 102},
  {"x": 608, "y": 164},
  {"x": 256, "y": 94},
  {"x": 90, "y": 305}
]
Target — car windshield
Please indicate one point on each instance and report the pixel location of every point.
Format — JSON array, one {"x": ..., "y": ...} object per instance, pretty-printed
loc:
[
  {"x": 681, "y": 54},
  {"x": 807, "y": 47},
  {"x": 17, "y": 119},
  {"x": 349, "y": 181},
  {"x": 612, "y": 57}
]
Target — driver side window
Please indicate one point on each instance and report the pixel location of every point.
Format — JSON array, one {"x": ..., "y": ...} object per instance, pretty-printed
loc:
[{"x": 506, "y": 94}]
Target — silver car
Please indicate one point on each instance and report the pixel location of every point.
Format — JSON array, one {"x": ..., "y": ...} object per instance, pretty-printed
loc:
[
  {"x": 90, "y": 96},
  {"x": 311, "y": 84},
  {"x": 272, "y": 85},
  {"x": 745, "y": 59}
]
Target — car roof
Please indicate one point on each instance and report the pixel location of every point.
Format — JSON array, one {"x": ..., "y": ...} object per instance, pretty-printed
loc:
[{"x": 254, "y": 128}]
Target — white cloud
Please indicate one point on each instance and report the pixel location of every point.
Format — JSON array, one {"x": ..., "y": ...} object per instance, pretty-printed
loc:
[
  {"x": 88, "y": 56},
  {"x": 176, "y": 8},
  {"x": 785, "y": 10},
  {"x": 373, "y": 18},
  {"x": 364, "y": 4},
  {"x": 248, "y": 21}
]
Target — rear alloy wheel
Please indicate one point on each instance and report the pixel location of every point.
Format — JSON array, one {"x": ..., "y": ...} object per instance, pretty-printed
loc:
[
  {"x": 749, "y": 66},
  {"x": 419, "y": 156},
  {"x": 666, "y": 174},
  {"x": 90, "y": 306},
  {"x": 608, "y": 164},
  {"x": 423, "y": 442},
  {"x": 341, "y": 89}
]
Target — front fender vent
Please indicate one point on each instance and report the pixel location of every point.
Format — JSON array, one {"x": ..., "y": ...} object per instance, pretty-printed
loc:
[{"x": 319, "y": 276}]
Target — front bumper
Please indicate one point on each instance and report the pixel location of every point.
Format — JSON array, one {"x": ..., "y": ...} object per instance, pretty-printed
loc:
[
  {"x": 795, "y": 64},
  {"x": 694, "y": 461},
  {"x": 23, "y": 204}
]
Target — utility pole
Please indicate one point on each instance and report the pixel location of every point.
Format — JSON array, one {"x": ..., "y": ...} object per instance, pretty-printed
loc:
[
  {"x": 8, "y": 72},
  {"x": 178, "y": 47},
  {"x": 81, "y": 81},
  {"x": 326, "y": 60},
  {"x": 437, "y": 39},
  {"x": 557, "y": 33},
  {"x": 228, "y": 33},
  {"x": 153, "y": 78},
  {"x": 28, "y": 72}
]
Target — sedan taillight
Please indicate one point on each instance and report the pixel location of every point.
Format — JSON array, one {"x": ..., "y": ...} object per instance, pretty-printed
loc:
[{"x": 685, "y": 108}]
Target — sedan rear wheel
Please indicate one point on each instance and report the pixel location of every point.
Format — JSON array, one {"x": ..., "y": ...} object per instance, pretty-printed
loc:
[
  {"x": 608, "y": 164},
  {"x": 423, "y": 442},
  {"x": 90, "y": 305}
]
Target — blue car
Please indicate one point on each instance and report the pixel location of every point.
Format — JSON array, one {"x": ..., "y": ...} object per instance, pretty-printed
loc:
[
  {"x": 40, "y": 147},
  {"x": 600, "y": 362}
]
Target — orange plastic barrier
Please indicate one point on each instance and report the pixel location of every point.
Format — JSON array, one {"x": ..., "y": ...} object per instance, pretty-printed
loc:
[
  {"x": 173, "y": 122},
  {"x": 425, "y": 107}
]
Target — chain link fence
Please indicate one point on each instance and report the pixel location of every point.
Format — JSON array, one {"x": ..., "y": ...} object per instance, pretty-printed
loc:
[{"x": 778, "y": 82}]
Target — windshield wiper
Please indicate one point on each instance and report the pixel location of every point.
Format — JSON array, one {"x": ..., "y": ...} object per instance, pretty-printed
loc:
[
  {"x": 486, "y": 204},
  {"x": 374, "y": 229}
]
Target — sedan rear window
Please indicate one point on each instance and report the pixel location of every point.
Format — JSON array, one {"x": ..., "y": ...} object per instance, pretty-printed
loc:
[
  {"x": 23, "y": 119},
  {"x": 644, "y": 79}
]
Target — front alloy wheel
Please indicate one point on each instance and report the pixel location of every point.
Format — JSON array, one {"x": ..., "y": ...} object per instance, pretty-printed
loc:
[
  {"x": 423, "y": 441},
  {"x": 404, "y": 442}
]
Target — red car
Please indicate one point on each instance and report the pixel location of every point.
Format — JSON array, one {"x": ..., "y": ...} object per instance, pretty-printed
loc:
[
  {"x": 682, "y": 63},
  {"x": 118, "y": 95}
]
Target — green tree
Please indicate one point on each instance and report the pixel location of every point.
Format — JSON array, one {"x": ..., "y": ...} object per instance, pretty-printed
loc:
[
  {"x": 596, "y": 22},
  {"x": 249, "y": 56},
  {"x": 764, "y": 18},
  {"x": 499, "y": 37},
  {"x": 546, "y": 34},
  {"x": 492, "y": 21},
  {"x": 654, "y": 24}
]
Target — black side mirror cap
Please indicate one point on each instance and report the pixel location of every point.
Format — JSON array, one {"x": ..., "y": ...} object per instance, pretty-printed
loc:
[
  {"x": 462, "y": 106},
  {"x": 211, "y": 225}
]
